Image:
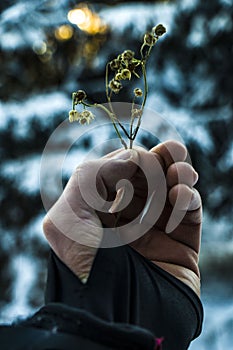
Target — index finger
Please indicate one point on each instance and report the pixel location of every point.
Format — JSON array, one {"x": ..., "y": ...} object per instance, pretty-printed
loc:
[{"x": 170, "y": 152}]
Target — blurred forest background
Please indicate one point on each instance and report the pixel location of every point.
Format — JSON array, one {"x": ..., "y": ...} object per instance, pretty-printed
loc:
[{"x": 45, "y": 55}]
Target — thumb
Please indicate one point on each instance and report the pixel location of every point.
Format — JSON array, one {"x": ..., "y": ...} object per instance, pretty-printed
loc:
[{"x": 99, "y": 180}]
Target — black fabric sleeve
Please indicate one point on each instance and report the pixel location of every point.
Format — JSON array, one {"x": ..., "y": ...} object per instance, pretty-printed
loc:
[{"x": 125, "y": 287}]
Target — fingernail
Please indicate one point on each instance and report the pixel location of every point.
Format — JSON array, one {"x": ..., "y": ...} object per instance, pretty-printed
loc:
[
  {"x": 195, "y": 177},
  {"x": 195, "y": 202}
]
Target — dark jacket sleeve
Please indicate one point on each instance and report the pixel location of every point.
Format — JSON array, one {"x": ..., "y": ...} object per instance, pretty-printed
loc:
[{"x": 124, "y": 287}]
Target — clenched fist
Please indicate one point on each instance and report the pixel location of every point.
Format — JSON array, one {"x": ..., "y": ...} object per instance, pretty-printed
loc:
[{"x": 145, "y": 198}]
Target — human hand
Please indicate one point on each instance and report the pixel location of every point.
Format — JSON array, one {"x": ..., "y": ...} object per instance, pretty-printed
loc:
[
  {"x": 72, "y": 226},
  {"x": 173, "y": 242},
  {"x": 177, "y": 252}
]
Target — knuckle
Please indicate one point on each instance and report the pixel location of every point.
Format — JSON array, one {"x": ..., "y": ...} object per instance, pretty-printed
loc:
[{"x": 47, "y": 225}]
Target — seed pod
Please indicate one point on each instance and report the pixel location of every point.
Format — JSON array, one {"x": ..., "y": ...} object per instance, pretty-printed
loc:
[
  {"x": 159, "y": 30},
  {"x": 149, "y": 39},
  {"x": 118, "y": 76},
  {"x": 126, "y": 74},
  {"x": 127, "y": 55},
  {"x": 115, "y": 64},
  {"x": 115, "y": 86},
  {"x": 138, "y": 92},
  {"x": 79, "y": 96}
]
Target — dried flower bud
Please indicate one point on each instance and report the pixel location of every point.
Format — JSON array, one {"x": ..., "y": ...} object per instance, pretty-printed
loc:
[
  {"x": 73, "y": 115},
  {"x": 86, "y": 117},
  {"x": 125, "y": 74},
  {"x": 79, "y": 96},
  {"x": 115, "y": 86},
  {"x": 115, "y": 64},
  {"x": 118, "y": 76},
  {"x": 119, "y": 58},
  {"x": 133, "y": 64},
  {"x": 136, "y": 113},
  {"x": 159, "y": 30},
  {"x": 127, "y": 55},
  {"x": 149, "y": 39},
  {"x": 138, "y": 92}
]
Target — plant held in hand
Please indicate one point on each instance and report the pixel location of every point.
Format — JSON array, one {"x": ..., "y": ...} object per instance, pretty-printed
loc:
[{"x": 122, "y": 68}]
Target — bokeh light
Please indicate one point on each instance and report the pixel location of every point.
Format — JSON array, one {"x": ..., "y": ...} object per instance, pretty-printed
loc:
[
  {"x": 64, "y": 32},
  {"x": 78, "y": 16},
  {"x": 87, "y": 20},
  {"x": 40, "y": 47}
]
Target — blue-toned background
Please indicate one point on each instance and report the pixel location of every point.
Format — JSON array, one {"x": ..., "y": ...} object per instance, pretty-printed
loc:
[{"x": 44, "y": 56}]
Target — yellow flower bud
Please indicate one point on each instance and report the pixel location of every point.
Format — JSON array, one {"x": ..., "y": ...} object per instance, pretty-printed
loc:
[
  {"x": 138, "y": 92},
  {"x": 115, "y": 64},
  {"x": 118, "y": 76},
  {"x": 115, "y": 86},
  {"x": 126, "y": 74},
  {"x": 127, "y": 55}
]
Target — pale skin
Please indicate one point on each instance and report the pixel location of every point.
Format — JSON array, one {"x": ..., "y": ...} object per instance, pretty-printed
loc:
[{"x": 176, "y": 252}]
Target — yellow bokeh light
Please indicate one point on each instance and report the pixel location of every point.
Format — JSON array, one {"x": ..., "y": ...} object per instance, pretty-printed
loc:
[
  {"x": 77, "y": 16},
  {"x": 64, "y": 32},
  {"x": 87, "y": 20}
]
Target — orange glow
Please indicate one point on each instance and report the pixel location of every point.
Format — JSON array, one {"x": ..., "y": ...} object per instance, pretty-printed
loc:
[
  {"x": 86, "y": 20},
  {"x": 64, "y": 32}
]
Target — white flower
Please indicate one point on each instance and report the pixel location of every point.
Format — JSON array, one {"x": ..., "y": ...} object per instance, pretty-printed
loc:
[
  {"x": 73, "y": 115},
  {"x": 86, "y": 117}
]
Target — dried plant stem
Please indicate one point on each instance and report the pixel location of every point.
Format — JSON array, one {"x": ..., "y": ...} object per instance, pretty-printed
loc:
[
  {"x": 111, "y": 116},
  {"x": 145, "y": 84},
  {"x": 134, "y": 134},
  {"x": 123, "y": 67}
]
